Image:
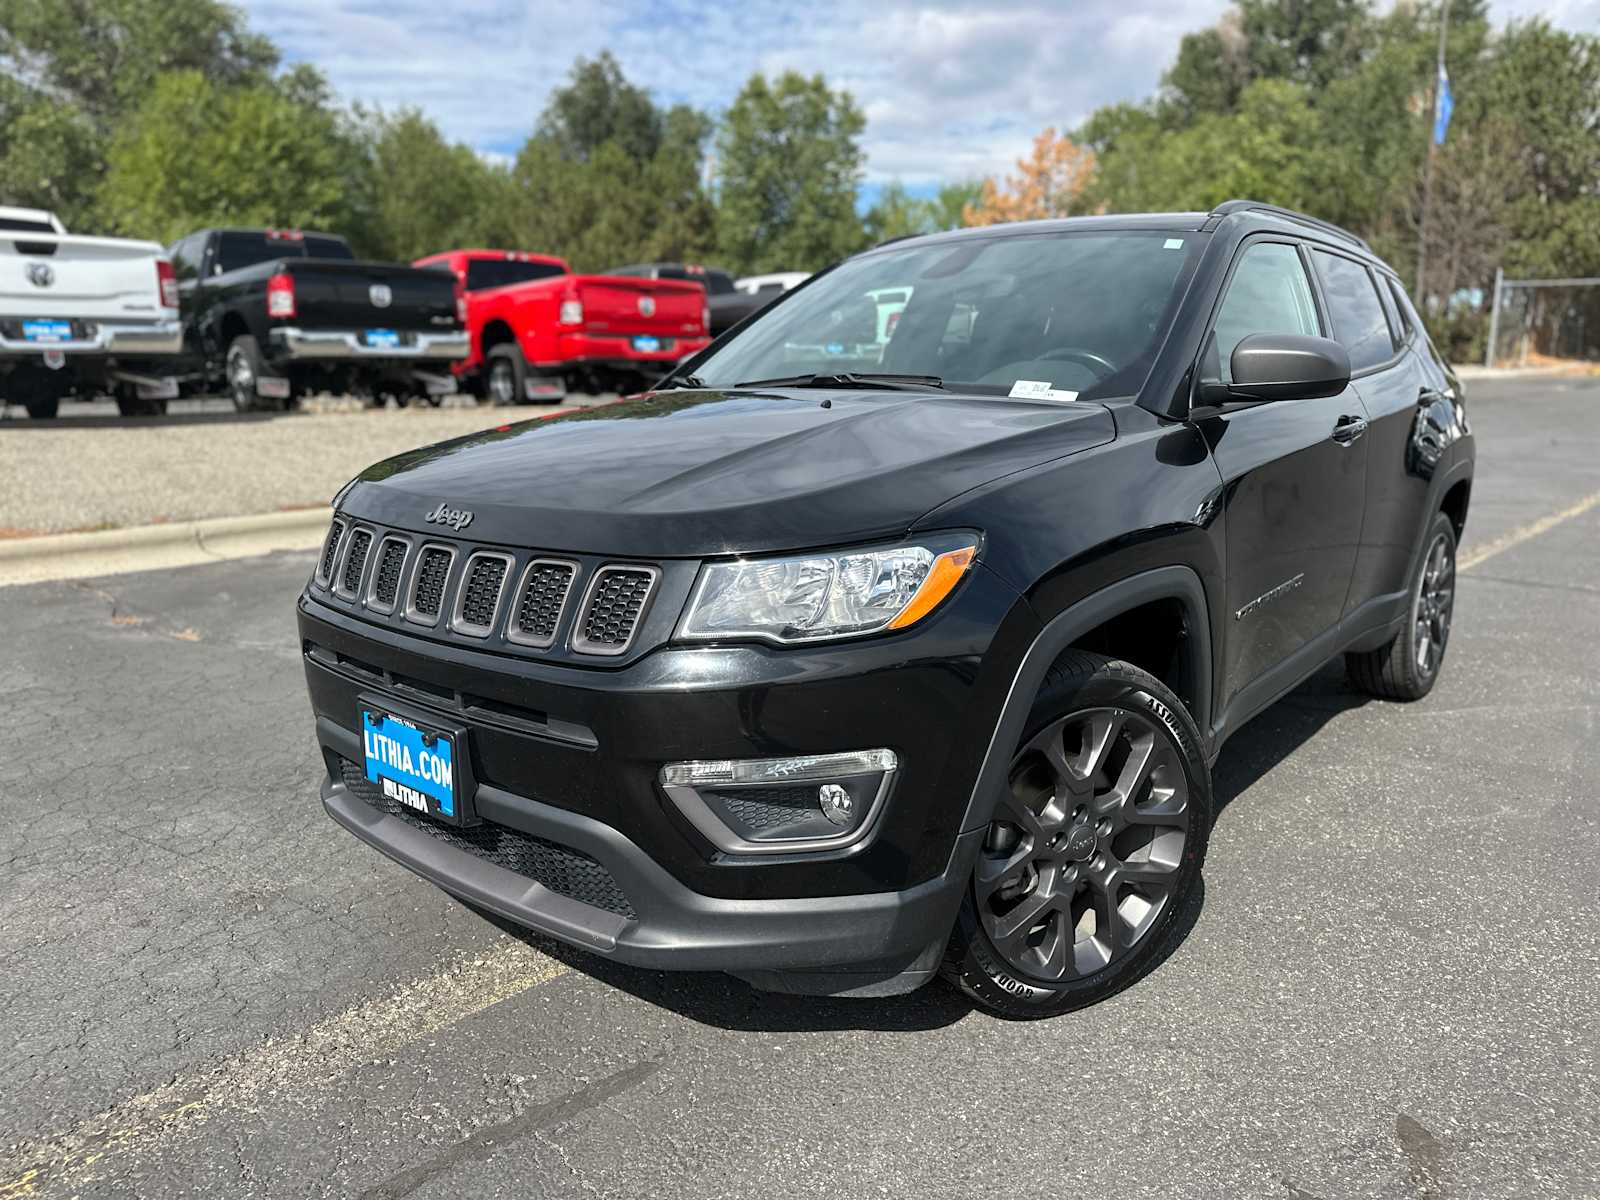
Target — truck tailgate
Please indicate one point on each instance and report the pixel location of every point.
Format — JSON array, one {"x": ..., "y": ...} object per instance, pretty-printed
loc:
[
  {"x": 332, "y": 294},
  {"x": 620, "y": 304},
  {"x": 89, "y": 278}
]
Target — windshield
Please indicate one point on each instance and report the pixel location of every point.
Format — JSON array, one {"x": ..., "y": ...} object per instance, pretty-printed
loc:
[{"x": 1065, "y": 313}]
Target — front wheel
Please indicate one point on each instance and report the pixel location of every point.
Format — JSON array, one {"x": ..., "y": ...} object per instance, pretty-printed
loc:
[{"x": 1092, "y": 850}]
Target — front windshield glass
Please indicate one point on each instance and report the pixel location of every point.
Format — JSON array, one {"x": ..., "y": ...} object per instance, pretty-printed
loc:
[{"x": 1080, "y": 312}]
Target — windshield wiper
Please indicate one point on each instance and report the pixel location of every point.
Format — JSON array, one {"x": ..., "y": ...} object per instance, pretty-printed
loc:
[
  {"x": 680, "y": 381},
  {"x": 851, "y": 379}
]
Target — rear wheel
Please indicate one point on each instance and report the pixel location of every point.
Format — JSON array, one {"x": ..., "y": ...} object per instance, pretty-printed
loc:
[
  {"x": 507, "y": 375},
  {"x": 245, "y": 370},
  {"x": 1092, "y": 850},
  {"x": 1408, "y": 667},
  {"x": 37, "y": 388},
  {"x": 131, "y": 404}
]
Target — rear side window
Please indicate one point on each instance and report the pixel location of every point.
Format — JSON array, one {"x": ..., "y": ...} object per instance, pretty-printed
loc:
[
  {"x": 1358, "y": 320},
  {"x": 1269, "y": 293},
  {"x": 484, "y": 273}
]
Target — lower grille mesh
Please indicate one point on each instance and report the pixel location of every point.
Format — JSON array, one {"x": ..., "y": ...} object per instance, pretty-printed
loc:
[
  {"x": 428, "y": 592},
  {"x": 565, "y": 871}
]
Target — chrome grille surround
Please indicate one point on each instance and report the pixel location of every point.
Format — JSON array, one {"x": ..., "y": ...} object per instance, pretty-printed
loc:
[
  {"x": 552, "y": 606},
  {"x": 611, "y": 613},
  {"x": 330, "y": 551},
  {"x": 357, "y": 550},
  {"x": 426, "y": 554},
  {"x": 460, "y": 620},
  {"x": 381, "y": 572}
]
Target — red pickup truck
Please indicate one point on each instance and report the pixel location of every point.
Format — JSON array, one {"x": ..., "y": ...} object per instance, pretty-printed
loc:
[{"x": 538, "y": 330}]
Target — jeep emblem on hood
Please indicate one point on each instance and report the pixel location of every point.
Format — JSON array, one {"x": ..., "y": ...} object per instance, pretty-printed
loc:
[
  {"x": 457, "y": 518},
  {"x": 380, "y": 295}
]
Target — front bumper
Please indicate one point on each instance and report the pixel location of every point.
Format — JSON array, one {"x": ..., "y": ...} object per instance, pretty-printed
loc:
[
  {"x": 873, "y": 916},
  {"x": 302, "y": 345},
  {"x": 108, "y": 338}
]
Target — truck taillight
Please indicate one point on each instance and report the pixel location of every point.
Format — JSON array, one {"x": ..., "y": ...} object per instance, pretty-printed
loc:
[
  {"x": 571, "y": 312},
  {"x": 280, "y": 295},
  {"x": 461, "y": 303},
  {"x": 705, "y": 318},
  {"x": 167, "y": 283}
]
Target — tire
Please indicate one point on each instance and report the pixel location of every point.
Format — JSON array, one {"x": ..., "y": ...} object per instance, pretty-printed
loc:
[
  {"x": 506, "y": 376},
  {"x": 37, "y": 388},
  {"x": 1031, "y": 939},
  {"x": 242, "y": 367},
  {"x": 1408, "y": 667},
  {"x": 131, "y": 404}
]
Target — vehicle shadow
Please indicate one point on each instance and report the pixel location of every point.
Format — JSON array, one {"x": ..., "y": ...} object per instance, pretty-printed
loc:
[{"x": 727, "y": 1003}]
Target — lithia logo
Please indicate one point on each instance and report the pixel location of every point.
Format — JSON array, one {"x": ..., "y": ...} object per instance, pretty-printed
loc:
[
  {"x": 457, "y": 518},
  {"x": 1283, "y": 589}
]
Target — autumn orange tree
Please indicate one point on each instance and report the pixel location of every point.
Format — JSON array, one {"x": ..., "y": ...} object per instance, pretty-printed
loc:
[{"x": 1049, "y": 183}]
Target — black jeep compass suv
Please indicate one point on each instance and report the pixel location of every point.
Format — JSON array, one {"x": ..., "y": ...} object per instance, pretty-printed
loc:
[{"x": 895, "y": 633}]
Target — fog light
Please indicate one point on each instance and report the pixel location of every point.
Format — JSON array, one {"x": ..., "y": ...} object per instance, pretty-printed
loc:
[
  {"x": 836, "y": 803},
  {"x": 782, "y": 805}
]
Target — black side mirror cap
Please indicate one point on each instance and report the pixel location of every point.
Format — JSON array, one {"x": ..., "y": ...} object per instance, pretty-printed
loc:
[{"x": 1287, "y": 366}]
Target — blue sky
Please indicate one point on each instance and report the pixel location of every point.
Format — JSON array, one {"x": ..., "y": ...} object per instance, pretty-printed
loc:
[{"x": 951, "y": 89}]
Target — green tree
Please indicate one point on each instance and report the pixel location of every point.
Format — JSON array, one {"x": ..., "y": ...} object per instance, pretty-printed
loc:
[
  {"x": 947, "y": 209},
  {"x": 429, "y": 195},
  {"x": 197, "y": 153},
  {"x": 599, "y": 105},
  {"x": 74, "y": 69},
  {"x": 897, "y": 214},
  {"x": 789, "y": 164}
]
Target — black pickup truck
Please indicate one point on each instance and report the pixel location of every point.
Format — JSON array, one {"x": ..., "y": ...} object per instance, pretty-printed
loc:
[
  {"x": 839, "y": 663},
  {"x": 275, "y": 314}
]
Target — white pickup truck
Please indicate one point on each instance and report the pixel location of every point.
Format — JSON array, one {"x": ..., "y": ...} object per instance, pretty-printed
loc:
[{"x": 84, "y": 315}]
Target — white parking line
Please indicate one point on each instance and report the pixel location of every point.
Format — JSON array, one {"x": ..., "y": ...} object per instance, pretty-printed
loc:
[
  {"x": 1483, "y": 553},
  {"x": 295, "y": 1065}
]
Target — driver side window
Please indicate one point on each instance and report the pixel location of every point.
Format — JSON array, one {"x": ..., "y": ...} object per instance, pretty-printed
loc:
[{"x": 1269, "y": 293}]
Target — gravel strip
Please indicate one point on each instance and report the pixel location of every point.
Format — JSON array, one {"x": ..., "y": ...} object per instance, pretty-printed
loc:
[{"x": 93, "y": 472}]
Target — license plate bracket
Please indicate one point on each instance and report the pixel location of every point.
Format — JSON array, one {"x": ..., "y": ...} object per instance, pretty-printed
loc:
[{"x": 418, "y": 760}]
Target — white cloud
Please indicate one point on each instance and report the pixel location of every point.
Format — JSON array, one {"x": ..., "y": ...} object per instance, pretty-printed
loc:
[{"x": 951, "y": 89}]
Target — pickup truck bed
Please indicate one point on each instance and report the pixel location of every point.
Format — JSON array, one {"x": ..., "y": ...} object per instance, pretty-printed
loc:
[{"x": 82, "y": 314}]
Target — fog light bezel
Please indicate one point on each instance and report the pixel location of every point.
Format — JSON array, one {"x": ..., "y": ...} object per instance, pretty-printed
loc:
[{"x": 679, "y": 782}]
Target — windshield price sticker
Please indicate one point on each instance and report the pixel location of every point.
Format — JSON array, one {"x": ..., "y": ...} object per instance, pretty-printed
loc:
[{"x": 1039, "y": 389}]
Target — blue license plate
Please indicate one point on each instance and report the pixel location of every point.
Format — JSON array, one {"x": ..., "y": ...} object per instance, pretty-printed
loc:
[
  {"x": 387, "y": 338},
  {"x": 647, "y": 345},
  {"x": 47, "y": 331},
  {"x": 413, "y": 765}
]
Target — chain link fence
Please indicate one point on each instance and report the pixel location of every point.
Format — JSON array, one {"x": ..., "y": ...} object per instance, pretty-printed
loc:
[{"x": 1536, "y": 321}]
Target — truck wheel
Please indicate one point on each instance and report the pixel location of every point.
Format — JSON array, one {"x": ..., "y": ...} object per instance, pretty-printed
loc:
[
  {"x": 131, "y": 404},
  {"x": 1408, "y": 666},
  {"x": 508, "y": 376},
  {"x": 244, "y": 368},
  {"x": 1093, "y": 849},
  {"x": 38, "y": 389}
]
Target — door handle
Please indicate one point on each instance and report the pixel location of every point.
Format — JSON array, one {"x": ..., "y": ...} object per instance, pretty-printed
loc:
[{"x": 1347, "y": 429}]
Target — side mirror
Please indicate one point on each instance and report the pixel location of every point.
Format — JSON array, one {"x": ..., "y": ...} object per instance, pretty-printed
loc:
[{"x": 1288, "y": 366}]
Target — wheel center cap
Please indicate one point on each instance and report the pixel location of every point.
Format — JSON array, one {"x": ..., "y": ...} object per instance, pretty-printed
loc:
[{"x": 1079, "y": 843}]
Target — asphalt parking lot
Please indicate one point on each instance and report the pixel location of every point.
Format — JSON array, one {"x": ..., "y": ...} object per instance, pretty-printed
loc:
[{"x": 1390, "y": 986}]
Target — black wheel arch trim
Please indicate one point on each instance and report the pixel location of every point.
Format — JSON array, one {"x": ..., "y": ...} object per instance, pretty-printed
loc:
[{"x": 1174, "y": 582}]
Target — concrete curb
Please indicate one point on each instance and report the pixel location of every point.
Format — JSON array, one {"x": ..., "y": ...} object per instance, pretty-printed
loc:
[{"x": 151, "y": 547}]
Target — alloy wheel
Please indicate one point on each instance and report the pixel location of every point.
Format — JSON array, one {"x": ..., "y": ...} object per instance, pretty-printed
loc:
[
  {"x": 502, "y": 383},
  {"x": 241, "y": 381},
  {"x": 1435, "y": 602},
  {"x": 1083, "y": 854}
]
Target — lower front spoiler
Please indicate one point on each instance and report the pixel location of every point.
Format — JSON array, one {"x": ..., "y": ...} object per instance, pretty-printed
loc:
[{"x": 876, "y": 944}]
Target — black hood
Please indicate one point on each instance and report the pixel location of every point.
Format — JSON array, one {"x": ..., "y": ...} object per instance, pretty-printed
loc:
[{"x": 692, "y": 473}]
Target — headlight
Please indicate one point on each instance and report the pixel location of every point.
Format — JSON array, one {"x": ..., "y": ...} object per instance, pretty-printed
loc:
[{"x": 823, "y": 596}]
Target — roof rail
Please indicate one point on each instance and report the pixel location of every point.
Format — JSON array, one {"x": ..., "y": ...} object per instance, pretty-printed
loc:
[{"x": 1229, "y": 207}]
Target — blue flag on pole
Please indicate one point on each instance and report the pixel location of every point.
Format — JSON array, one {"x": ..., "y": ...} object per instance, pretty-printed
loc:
[{"x": 1443, "y": 106}]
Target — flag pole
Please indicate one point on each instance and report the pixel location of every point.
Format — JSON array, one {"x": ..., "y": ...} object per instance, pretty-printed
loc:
[{"x": 1427, "y": 169}]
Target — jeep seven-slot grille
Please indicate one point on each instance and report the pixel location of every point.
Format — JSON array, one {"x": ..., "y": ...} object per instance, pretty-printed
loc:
[
  {"x": 330, "y": 551},
  {"x": 543, "y": 596},
  {"x": 427, "y": 594},
  {"x": 355, "y": 561},
  {"x": 480, "y": 594},
  {"x": 616, "y": 602},
  {"x": 386, "y": 580},
  {"x": 563, "y": 870}
]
